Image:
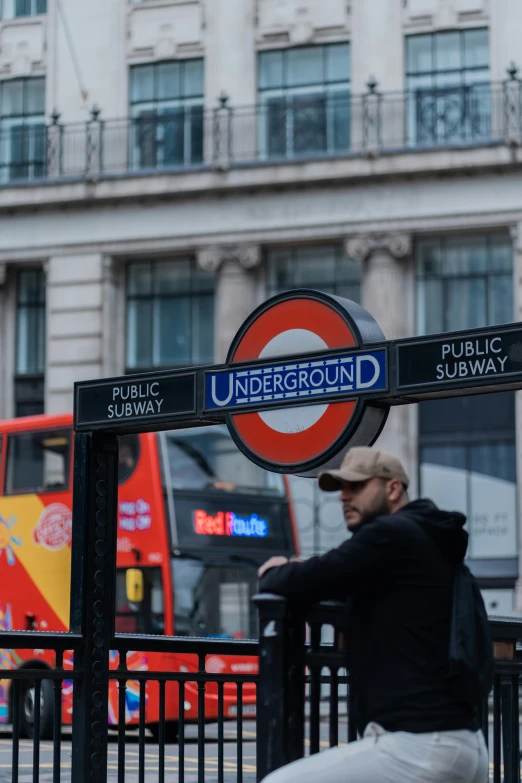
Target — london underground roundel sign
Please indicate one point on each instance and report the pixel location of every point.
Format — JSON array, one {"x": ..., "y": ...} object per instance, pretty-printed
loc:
[{"x": 305, "y": 438}]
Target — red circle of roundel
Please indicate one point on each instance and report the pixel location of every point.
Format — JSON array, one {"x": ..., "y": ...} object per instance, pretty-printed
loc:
[{"x": 292, "y": 448}]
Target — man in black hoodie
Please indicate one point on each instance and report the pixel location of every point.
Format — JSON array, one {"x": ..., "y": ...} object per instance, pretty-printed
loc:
[{"x": 397, "y": 569}]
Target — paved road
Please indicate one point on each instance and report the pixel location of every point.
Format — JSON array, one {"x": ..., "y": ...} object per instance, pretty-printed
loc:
[{"x": 151, "y": 756}]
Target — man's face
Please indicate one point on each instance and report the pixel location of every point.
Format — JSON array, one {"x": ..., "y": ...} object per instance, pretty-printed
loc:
[{"x": 364, "y": 499}]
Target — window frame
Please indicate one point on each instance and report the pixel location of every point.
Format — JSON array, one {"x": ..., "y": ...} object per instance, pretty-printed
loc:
[
  {"x": 192, "y": 294},
  {"x": 286, "y": 92},
  {"x": 156, "y": 109},
  {"x": 340, "y": 258},
  {"x": 11, "y": 436},
  {"x": 27, "y": 124},
  {"x": 468, "y": 91}
]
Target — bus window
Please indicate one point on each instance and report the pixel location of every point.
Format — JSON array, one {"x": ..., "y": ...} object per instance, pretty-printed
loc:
[
  {"x": 38, "y": 462},
  {"x": 128, "y": 455},
  {"x": 207, "y": 457},
  {"x": 146, "y": 616},
  {"x": 213, "y": 600}
]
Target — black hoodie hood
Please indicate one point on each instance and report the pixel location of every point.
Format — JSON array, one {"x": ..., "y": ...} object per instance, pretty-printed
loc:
[{"x": 446, "y": 528}]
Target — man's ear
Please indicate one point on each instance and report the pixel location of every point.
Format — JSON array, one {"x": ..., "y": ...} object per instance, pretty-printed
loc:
[{"x": 395, "y": 490}]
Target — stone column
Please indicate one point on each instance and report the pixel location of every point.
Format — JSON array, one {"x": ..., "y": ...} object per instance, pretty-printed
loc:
[
  {"x": 236, "y": 269},
  {"x": 516, "y": 235},
  {"x": 388, "y": 295},
  {"x": 75, "y": 324}
]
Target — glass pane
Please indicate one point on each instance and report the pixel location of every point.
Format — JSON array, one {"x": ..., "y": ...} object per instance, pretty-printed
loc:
[
  {"x": 431, "y": 309},
  {"x": 171, "y": 137},
  {"x": 305, "y": 66},
  {"x": 270, "y": 70},
  {"x": 196, "y": 134},
  {"x": 465, "y": 304},
  {"x": 41, "y": 6},
  {"x": 172, "y": 277},
  {"x": 193, "y": 79},
  {"x": 494, "y": 459},
  {"x": 8, "y": 7},
  {"x": 501, "y": 255},
  {"x": 31, "y": 286},
  {"x": 339, "y": 111},
  {"x": 30, "y": 348},
  {"x": 493, "y": 518},
  {"x": 419, "y": 53},
  {"x": 39, "y": 462},
  {"x": 168, "y": 81},
  {"x": 13, "y": 98},
  {"x": 444, "y": 478},
  {"x": 309, "y": 118},
  {"x": 316, "y": 266},
  {"x": 476, "y": 48},
  {"x": 202, "y": 280},
  {"x": 447, "y": 51},
  {"x": 500, "y": 299},
  {"x": 202, "y": 329},
  {"x": 352, "y": 291},
  {"x": 35, "y": 96},
  {"x": 171, "y": 335},
  {"x": 429, "y": 257},
  {"x": 172, "y": 331},
  {"x": 337, "y": 62},
  {"x": 275, "y": 129},
  {"x": 280, "y": 270},
  {"x": 142, "y": 83},
  {"x": 465, "y": 256},
  {"x": 22, "y": 7},
  {"x": 347, "y": 269},
  {"x": 140, "y": 279},
  {"x": 139, "y": 333}
]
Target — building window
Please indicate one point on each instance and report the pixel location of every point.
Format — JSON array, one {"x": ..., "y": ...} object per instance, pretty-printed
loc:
[
  {"x": 30, "y": 342},
  {"x": 304, "y": 101},
  {"x": 467, "y": 444},
  {"x": 14, "y": 8},
  {"x": 324, "y": 268},
  {"x": 22, "y": 129},
  {"x": 170, "y": 314},
  {"x": 448, "y": 91},
  {"x": 166, "y": 106}
]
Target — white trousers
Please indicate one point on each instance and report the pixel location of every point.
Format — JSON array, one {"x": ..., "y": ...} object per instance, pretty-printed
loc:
[{"x": 395, "y": 757}]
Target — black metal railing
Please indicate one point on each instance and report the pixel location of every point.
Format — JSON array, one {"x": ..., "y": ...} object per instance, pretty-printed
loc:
[
  {"x": 33, "y": 695},
  {"x": 279, "y": 129},
  {"x": 303, "y": 686},
  {"x": 172, "y": 686}
]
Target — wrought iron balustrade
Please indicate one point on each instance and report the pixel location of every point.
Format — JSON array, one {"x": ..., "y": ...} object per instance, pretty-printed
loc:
[
  {"x": 296, "y": 659},
  {"x": 280, "y": 129}
]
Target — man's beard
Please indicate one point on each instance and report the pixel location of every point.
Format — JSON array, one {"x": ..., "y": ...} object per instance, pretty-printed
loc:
[{"x": 380, "y": 508}]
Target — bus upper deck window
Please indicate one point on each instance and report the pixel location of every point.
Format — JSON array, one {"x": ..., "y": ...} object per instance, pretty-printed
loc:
[
  {"x": 128, "y": 456},
  {"x": 38, "y": 461}
]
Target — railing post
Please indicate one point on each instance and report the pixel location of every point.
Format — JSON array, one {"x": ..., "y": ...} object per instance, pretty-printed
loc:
[
  {"x": 512, "y": 94},
  {"x": 95, "y": 496},
  {"x": 54, "y": 149},
  {"x": 94, "y": 145},
  {"x": 372, "y": 119},
  {"x": 281, "y": 685},
  {"x": 222, "y": 132}
]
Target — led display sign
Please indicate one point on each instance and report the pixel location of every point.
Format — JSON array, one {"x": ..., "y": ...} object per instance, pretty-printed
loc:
[{"x": 227, "y": 523}]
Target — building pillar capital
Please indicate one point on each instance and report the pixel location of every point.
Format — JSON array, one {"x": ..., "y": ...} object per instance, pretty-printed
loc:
[
  {"x": 361, "y": 247},
  {"x": 212, "y": 258}
]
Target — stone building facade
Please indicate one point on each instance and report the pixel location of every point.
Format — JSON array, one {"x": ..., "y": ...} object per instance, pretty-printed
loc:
[{"x": 165, "y": 165}]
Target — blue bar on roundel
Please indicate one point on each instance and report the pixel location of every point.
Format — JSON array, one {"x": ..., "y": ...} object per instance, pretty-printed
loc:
[{"x": 288, "y": 383}]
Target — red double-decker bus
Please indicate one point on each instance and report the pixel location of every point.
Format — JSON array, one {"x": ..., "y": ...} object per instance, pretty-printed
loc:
[{"x": 195, "y": 518}]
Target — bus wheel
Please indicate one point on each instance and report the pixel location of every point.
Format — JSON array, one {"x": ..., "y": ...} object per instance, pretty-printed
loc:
[
  {"x": 27, "y": 705},
  {"x": 171, "y": 730}
]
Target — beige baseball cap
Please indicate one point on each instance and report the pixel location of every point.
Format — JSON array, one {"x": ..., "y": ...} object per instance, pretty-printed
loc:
[{"x": 360, "y": 464}]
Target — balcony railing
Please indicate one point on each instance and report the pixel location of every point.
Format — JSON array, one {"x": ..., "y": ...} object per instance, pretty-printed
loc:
[{"x": 280, "y": 129}]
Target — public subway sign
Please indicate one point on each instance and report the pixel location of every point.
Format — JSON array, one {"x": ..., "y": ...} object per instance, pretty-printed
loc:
[
  {"x": 138, "y": 398},
  {"x": 308, "y": 375},
  {"x": 475, "y": 358}
]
